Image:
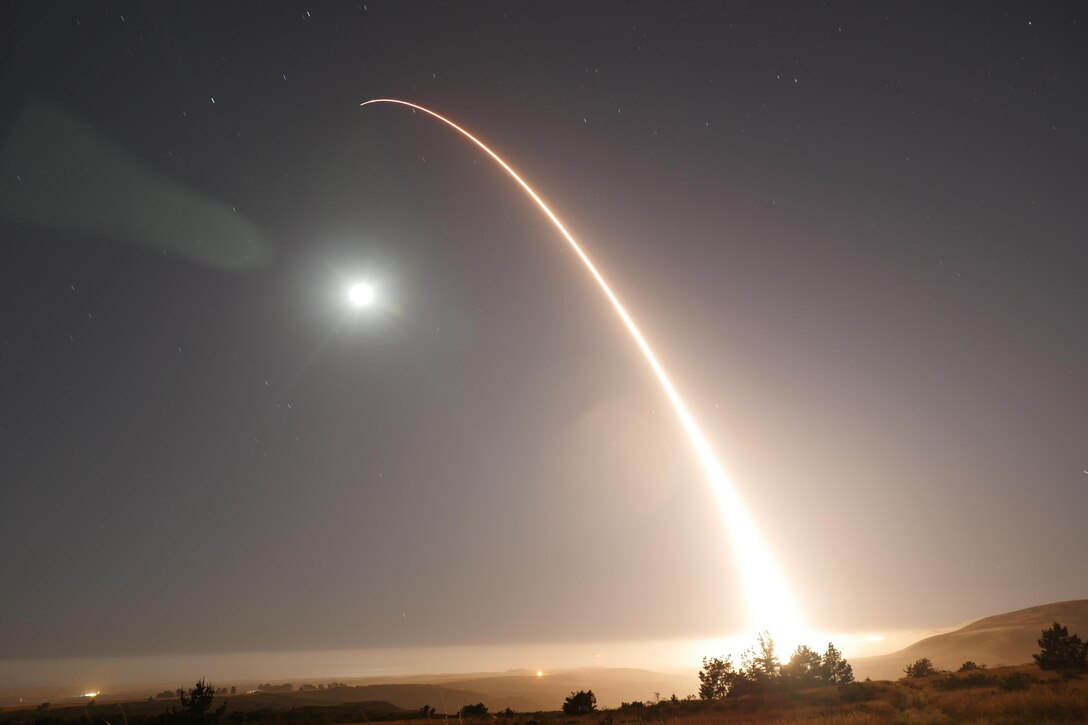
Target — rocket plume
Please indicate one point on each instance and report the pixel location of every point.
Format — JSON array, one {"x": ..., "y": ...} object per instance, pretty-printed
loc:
[{"x": 770, "y": 602}]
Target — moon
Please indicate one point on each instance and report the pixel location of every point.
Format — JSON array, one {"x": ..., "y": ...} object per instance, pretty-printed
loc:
[{"x": 361, "y": 294}]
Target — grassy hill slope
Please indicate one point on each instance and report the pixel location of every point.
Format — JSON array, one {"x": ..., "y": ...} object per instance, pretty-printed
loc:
[{"x": 1003, "y": 639}]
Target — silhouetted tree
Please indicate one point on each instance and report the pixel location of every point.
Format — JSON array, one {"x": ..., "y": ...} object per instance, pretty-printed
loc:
[
  {"x": 196, "y": 707},
  {"x": 834, "y": 667},
  {"x": 716, "y": 679},
  {"x": 920, "y": 668},
  {"x": 804, "y": 668},
  {"x": 970, "y": 666},
  {"x": 1061, "y": 651},
  {"x": 580, "y": 703},
  {"x": 761, "y": 665},
  {"x": 807, "y": 668}
]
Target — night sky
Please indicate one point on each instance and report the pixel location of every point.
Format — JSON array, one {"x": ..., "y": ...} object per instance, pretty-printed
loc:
[{"x": 854, "y": 233}]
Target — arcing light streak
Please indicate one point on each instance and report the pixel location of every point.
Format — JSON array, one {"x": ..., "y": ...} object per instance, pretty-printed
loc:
[{"x": 770, "y": 602}]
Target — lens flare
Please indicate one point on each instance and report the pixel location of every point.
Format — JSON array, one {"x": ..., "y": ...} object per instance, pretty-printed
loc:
[{"x": 770, "y": 601}]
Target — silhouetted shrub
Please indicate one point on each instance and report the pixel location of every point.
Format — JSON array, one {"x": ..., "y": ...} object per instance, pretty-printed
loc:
[
  {"x": 855, "y": 692},
  {"x": 920, "y": 668},
  {"x": 1018, "y": 681},
  {"x": 478, "y": 710},
  {"x": 975, "y": 679},
  {"x": 580, "y": 703}
]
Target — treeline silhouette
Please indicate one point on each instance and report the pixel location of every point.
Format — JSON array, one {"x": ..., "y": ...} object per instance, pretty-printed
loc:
[{"x": 761, "y": 671}]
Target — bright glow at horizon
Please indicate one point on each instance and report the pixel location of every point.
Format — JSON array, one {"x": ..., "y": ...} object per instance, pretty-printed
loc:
[
  {"x": 771, "y": 604},
  {"x": 361, "y": 294}
]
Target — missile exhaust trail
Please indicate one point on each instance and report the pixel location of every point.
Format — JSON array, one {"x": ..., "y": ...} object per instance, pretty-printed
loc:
[{"x": 769, "y": 599}]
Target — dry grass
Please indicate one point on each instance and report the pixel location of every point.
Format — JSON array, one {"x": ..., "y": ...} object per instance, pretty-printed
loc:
[
  {"x": 1048, "y": 702},
  {"x": 1052, "y": 701},
  {"x": 1043, "y": 700}
]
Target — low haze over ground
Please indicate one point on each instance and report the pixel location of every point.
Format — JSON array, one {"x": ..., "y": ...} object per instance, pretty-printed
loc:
[{"x": 853, "y": 232}]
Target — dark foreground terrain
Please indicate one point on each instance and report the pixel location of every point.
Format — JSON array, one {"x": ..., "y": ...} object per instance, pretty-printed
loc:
[{"x": 1003, "y": 696}]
